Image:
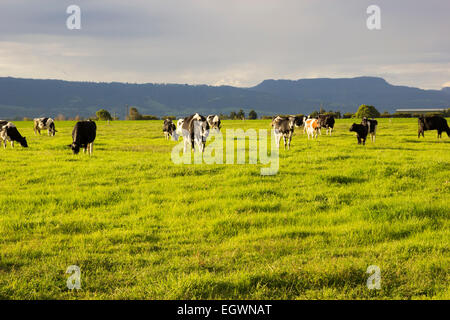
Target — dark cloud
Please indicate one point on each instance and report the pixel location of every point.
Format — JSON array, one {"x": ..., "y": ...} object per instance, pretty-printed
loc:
[{"x": 226, "y": 41}]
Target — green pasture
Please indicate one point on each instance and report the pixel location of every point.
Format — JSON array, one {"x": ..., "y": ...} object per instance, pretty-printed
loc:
[{"x": 141, "y": 227}]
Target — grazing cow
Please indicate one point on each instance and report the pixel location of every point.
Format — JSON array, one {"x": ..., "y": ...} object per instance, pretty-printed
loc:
[
  {"x": 433, "y": 123},
  {"x": 169, "y": 130},
  {"x": 9, "y": 132},
  {"x": 371, "y": 127},
  {"x": 83, "y": 136},
  {"x": 214, "y": 122},
  {"x": 312, "y": 127},
  {"x": 361, "y": 132},
  {"x": 44, "y": 124},
  {"x": 195, "y": 129},
  {"x": 284, "y": 127},
  {"x": 327, "y": 122}
]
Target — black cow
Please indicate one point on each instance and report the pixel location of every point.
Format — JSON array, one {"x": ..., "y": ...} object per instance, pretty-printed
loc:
[
  {"x": 433, "y": 123},
  {"x": 327, "y": 122},
  {"x": 83, "y": 136},
  {"x": 284, "y": 127},
  {"x": 169, "y": 130},
  {"x": 371, "y": 127},
  {"x": 361, "y": 132},
  {"x": 195, "y": 129},
  {"x": 9, "y": 132}
]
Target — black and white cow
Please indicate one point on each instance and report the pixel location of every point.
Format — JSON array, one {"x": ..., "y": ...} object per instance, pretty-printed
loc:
[
  {"x": 371, "y": 127},
  {"x": 326, "y": 121},
  {"x": 214, "y": 122},
  {"x": 169, "y": 130},
  {"x": 361, "y": 132},
  {"x": 44, "y": 124},
  {"x": 195, "y": 130},
  {"x": 284, "y": 127},
  {"x": 83, "y": 136},
  {"x": 433, "y": 123},
  {"x": 9, "y": 132}
]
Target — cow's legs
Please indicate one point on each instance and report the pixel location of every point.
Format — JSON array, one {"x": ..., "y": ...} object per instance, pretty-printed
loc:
[
  {"x": 284, "y": 141},
  {"x": 91, "y": 148},
  {"x": 277, "y": 140},
  {"x": 4, "y": 144},
  {"x": 12, "y": 143},
  {"x": 289, "y": 141}
]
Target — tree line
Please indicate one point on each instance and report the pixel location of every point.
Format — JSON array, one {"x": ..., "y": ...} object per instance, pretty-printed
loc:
[{"x": 363, "y": 111}]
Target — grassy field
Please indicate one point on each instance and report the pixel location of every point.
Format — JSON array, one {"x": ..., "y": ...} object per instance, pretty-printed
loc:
[{"x": 141, "y": 227}]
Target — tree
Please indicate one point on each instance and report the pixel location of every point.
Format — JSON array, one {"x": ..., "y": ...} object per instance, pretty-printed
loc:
[
  {"x": 385, "y": 114},
  {"x": 60, "y": 117},
  {"x": 134, "y": 114},
  {"x": 103, "y": 114},
  {"x": 233, "y": 115},
  {"x": 367, "y": 111},
  {"x": 314, "y": 114},
  {"x": 347, "y": 115},
  {"x": 252, "y": 115},
  {"x": 241, "y": 114}
]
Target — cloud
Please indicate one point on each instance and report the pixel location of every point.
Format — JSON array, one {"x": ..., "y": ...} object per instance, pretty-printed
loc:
[{"x": 229, "y": 42}]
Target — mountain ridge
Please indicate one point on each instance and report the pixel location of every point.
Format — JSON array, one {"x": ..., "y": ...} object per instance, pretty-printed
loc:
[{"x": 20, "y": 97}]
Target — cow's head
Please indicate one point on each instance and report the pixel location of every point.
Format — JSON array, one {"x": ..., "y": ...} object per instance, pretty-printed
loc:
[
  {"x": 201, "y": 128},
  {"x": 23, "y": 142},
  {"x": 298, "y": 121},
  {"x": 353, "y": 127},
  {"x": 421, "y": 120},
  {"x": 75, "y": 148}
]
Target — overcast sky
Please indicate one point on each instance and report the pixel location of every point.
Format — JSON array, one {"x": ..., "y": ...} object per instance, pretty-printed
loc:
[{"x": 232, "y": 42}]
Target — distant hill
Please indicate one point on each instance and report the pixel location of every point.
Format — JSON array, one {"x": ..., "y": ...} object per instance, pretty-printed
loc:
[{"x": 31, "y": 98}]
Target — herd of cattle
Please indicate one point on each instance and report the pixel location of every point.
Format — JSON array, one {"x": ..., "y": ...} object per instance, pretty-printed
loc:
[
  {"x": 195, "y": 129},
  {"x": 83, "y": 134}
]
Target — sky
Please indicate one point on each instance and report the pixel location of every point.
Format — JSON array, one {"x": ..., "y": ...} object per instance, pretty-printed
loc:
[{"x": 226, "y": 42}]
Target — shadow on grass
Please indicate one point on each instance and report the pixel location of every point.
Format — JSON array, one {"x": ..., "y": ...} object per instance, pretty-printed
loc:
[{"x": 344, "y": 179}]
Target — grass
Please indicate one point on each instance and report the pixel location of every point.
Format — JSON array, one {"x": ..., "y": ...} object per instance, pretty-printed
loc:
[{"x": 141, "y": 227}]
